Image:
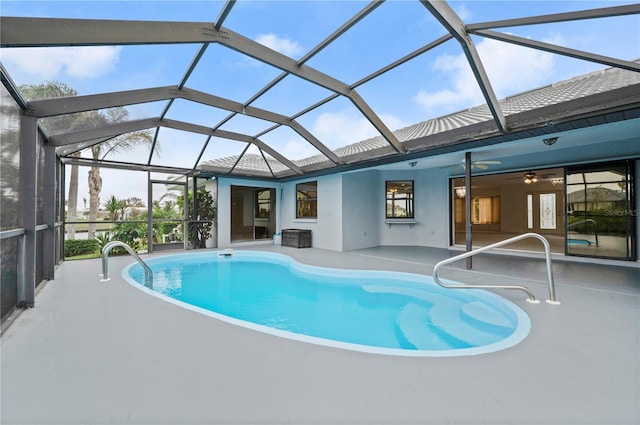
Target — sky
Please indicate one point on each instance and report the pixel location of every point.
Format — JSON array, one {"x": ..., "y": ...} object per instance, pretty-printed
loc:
[{"x": 434, "y": 84}]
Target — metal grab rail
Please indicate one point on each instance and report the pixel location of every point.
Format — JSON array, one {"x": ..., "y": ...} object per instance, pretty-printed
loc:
[
  {"x": 148, "y": 275},
  {"x": 588, "y": 220},
  {"x": 532, "y": 298}
]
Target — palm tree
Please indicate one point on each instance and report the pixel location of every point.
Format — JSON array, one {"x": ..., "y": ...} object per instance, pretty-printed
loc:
[
  {"x": 115, "y": 207},
  {"x": 48, "y": 90},
  {"x": 89, "y": 119},
  {"x": 99, "y": 151}
]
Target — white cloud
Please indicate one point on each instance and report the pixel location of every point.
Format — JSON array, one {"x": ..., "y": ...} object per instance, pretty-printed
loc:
[
  {"x": 338, "y": 129},
  {"x": 296, "y": 149},
  {"x": 282, "y": 45},
  {"x": 51, "y": 63},
  {"x": 463, "y": 12},
  {"x": 393, "y": 122},
  {"x": 334, "y": 130},
  {"x": 511, "y": 69}
]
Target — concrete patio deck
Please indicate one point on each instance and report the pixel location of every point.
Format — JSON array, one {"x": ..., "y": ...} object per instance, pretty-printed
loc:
[{"x": 96, "y": 353}]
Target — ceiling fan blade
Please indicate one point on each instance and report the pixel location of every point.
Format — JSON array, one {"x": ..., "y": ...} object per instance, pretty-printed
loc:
[
  {"x": 453, "y": 166},
  {"x": 482, "y": 165}
]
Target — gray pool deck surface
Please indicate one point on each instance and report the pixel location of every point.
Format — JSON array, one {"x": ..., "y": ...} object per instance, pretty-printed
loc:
[{"x": 92, "y": 352}]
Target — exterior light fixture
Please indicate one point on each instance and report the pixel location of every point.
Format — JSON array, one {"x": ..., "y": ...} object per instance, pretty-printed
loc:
[
  {"x": 550, "y": 141},
  {"x": 461, "y": 191},
  {"x": 530, "y": 177},
  {"x": 413, "y": 164}
]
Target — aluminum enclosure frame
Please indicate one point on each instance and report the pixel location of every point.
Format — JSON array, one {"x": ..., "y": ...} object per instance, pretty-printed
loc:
[{"x": 45, "y": 32}]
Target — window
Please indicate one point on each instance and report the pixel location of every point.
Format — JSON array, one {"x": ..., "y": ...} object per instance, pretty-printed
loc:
[
  {"x": 263, "y": 203},
  {"x": 399, "y": 199},
  {"x": 529, "y": 211},
  {"x": 307, "y": 200},
  {"x": 485, "y": 210},
  {"x": 547, "y": 210},
  {"x": 601, "y": 214},
  {"x": 252, "y": 213}
]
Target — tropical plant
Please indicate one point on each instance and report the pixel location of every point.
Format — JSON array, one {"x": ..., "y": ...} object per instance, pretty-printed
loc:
[
  {"x": 200, "y": 230},
  {"x": 133, "y": 234},
  {"x": 115, "y": 207},
  {"x": 89, "y": 119},
  {"x": 168, "y": 210},
  {"x": 122, "y": 143},
  {"x": 102, "y": 239}
]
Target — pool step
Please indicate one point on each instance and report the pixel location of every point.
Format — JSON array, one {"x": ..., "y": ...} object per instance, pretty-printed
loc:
[
  {"x": 411, "y": 323},
  {"x": 451, "y": 324},
  {"x": 479, "y": 315},
  {"x": 439, "y": 322}
]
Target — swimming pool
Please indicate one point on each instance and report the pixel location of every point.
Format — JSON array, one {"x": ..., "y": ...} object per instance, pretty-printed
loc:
[{"x": 371, "y": 311}]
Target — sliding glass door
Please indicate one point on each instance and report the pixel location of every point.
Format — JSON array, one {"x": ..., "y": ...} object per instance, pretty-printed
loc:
[
  {"x": 600, "y": 212},
  {"x": 585, "y": 210},
  {"x": 510, "y": 204},
  {"x": 253, "y": 213}
]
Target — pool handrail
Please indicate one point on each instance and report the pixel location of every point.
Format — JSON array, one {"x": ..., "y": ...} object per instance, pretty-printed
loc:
[
  {"x": 531, "y": 297},
  {"x": 148, "y": 274},
  {"x": 588, "y": 220}
]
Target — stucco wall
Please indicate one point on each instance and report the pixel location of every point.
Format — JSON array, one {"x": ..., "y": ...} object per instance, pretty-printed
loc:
[
  {"x": 431, "y": 209},
  {"x": 351, "y": 209},
  {"x": 326, "y": 229},
  {"x": 363, "y": 200}
]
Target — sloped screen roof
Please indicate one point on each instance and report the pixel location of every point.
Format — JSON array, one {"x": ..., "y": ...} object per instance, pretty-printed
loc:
[{"x": 282, "y": 89}]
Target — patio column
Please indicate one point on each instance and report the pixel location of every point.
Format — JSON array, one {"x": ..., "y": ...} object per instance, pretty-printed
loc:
[
  {"x": 467, "y": 205},
  {"x": 49, "y": 205},
  {"x": 149, "y": 213},
  {"x": 28, "y": 215},
  {"x": 61, "y": 179}
]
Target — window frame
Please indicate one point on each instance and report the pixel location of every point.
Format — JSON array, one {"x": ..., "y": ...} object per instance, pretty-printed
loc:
[
  {"x": 310, "y": 200},
  {"x": 408, "y": 201}
]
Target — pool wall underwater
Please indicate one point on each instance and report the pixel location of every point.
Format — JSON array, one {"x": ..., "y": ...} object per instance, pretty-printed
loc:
[{"x": 390, "y": 313}]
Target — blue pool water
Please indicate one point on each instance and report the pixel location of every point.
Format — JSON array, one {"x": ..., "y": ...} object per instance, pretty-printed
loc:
[
  {"x": 372, "y": 311},
  {"x": 580, "y": 242}
]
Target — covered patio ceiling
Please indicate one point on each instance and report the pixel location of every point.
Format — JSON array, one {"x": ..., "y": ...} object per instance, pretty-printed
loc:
[{"x": 205, "y": 121}]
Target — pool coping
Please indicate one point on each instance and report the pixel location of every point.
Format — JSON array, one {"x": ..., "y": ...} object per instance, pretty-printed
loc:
[{"x": 519, "y": 334}]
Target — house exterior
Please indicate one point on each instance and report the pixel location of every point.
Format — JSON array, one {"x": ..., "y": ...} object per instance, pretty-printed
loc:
[
  {"x": 511, "y": 166},
  {"x": 352, "y": 205}
]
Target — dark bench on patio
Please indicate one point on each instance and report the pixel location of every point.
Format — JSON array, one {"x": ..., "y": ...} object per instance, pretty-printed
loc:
[{"x": 297, "y": 238}]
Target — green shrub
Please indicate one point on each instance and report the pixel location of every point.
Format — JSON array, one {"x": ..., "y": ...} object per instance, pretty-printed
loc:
[
  {"x": 102, "y": 239},
  {"x": 75, "y": 247},
  {"x": 133, "y": 234},
  {"x": 608, "y": 222}
]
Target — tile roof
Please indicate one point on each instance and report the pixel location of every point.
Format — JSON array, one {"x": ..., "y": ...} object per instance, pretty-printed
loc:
[
  {"x": 572, "y": 89},
  {"x": 597, "y": 194}
]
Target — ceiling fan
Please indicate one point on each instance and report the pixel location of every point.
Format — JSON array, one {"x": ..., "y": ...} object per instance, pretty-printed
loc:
[
  {"x": 532, "y": 177},
  {"x": 476, "y": 164}
]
